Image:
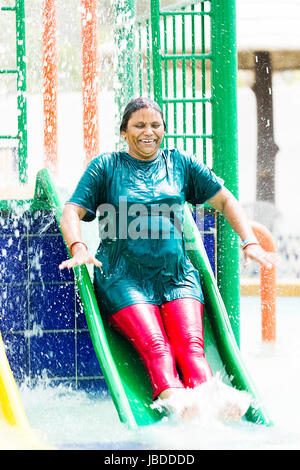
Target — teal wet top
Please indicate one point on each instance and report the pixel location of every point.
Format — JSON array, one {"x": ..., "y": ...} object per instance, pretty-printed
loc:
[{"x": 140, "y": 209}]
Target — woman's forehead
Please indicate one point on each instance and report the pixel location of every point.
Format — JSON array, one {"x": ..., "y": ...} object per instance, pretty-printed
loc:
[{"x": 146, "y": 114}]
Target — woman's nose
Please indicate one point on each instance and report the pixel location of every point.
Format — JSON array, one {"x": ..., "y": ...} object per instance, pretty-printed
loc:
[{"x": 148, "y": 130}]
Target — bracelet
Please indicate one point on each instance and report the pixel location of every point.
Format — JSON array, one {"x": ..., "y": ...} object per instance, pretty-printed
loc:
[
  {"x": 249, "y": 244},
  {"x": 74, "y": 243},
  {"x": 249, "y": 241}
]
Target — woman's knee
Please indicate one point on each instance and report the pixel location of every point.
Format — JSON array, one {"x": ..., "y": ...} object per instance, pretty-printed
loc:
[
  {"x": 189, "y": 346},
  {"x": 156, "y": 344},
  {"x": 183, "y": 322}
]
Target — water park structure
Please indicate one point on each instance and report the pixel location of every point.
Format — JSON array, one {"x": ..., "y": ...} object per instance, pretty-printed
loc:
[{"x": 184, "y": 56}]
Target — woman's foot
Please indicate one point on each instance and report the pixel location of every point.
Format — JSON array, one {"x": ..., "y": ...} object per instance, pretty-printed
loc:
[
  {"x": 212, "y": 399},
  {"x": 228, "y": 404},
  {"x": 230, "y": 412},
  {"x": 176, "y": 402}
]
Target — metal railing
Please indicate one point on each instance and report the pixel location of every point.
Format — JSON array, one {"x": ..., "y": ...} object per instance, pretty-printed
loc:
[
  {"x": 20, "y": 72},
  {"x": 174, "y": 68}
]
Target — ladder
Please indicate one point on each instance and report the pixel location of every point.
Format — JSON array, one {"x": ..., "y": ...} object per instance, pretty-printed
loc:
[
  {"x": 20, "y": 72},
  {"x": 181, "y": 62}
]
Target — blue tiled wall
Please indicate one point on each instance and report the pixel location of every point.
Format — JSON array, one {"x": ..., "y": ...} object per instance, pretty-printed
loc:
[
  {"x": 206, "y": 223},
  {"x": 41, "y": 316},
  {"x": 209, "y": 238}
]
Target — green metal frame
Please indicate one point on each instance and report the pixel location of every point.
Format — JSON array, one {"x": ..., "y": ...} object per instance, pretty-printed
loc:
[
  {"x": 176, "y": 99},
  {"x": 20, "y": 72},
  {"x": 225, "y": 148}
]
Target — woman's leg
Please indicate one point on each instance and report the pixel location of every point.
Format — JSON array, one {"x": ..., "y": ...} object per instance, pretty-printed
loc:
[
  {"x": 183, "y": 321},
  {"x": 141, "y": 324}
]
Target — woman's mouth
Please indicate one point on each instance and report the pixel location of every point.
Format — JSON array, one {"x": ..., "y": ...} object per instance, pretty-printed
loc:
[{"x": 147, "y": 141}]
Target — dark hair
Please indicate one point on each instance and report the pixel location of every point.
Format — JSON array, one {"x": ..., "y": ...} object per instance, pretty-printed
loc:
[{"x": 135, "y": 105}]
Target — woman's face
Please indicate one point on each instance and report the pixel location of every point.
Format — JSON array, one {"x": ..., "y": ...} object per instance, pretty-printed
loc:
[{"x": 144, "y": 133}]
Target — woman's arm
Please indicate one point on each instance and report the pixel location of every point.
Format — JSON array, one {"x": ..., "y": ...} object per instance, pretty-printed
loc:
[
  {"x": 70, "y": 226},
  {"x": 227, "y": 204}
]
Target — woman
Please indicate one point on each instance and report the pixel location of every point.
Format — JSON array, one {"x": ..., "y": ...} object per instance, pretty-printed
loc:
[{"x": 145, "y": 284}]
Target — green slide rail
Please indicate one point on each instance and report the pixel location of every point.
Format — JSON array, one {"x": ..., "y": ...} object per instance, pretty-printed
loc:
[{"x": 125, "y": 376}]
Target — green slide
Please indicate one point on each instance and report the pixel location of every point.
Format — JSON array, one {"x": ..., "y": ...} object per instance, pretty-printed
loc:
[{"x": 125, "y": 376}]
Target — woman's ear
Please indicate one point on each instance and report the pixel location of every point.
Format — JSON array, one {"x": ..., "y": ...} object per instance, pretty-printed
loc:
[{"x": 123, "y": 134}]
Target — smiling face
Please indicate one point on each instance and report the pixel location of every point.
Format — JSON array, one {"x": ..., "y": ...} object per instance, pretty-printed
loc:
[{"x": 144, "y": 133}]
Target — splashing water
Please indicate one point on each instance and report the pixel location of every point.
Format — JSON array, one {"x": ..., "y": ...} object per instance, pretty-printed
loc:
[
  {"x": 69, "y": 419},
  {"x": 212, "y": 401},
  {"x": 74, "y": 420}
]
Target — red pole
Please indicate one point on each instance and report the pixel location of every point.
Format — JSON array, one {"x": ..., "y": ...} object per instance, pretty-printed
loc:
[
  {"x": 267, "y": 285},
  {"x": 89, "y": 24},
  {"x": 50, "y": 84}
]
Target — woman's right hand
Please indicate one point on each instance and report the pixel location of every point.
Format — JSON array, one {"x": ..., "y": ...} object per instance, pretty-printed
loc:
[{"x": 80, "y": 256}]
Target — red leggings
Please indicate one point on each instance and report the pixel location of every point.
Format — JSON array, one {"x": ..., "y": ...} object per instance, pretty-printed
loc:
[{"x": 166, "y": 337}]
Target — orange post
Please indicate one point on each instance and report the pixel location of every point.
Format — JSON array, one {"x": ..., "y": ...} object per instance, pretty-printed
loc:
[
  {"x": 50, "y": 68},
  {"x": 267, "y": 285},
  {"x": 89, "y": 23}
]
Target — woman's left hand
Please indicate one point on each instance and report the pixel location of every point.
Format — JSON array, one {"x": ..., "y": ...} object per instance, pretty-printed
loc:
[
  {"x": 229, "y": 206},
  {"x": 257, "y": 253}
]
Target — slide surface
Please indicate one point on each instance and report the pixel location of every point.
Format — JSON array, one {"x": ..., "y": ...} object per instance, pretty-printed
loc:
[
  {"x": 16, "y": 432},
  {"x": 11, "y": 408},
  {"x": 125, "y": 376}
]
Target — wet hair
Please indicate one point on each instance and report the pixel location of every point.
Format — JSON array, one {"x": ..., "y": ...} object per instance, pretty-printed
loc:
[{"x": 135, "y": 105}]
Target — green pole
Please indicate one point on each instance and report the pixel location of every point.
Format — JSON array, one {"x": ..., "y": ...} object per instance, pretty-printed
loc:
[
  {"x": 126, "y": 75},
  {"x": 21, "y": 89},
  {"x": 156, "y": 63},
  {"x": 225, "y": 147}
]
